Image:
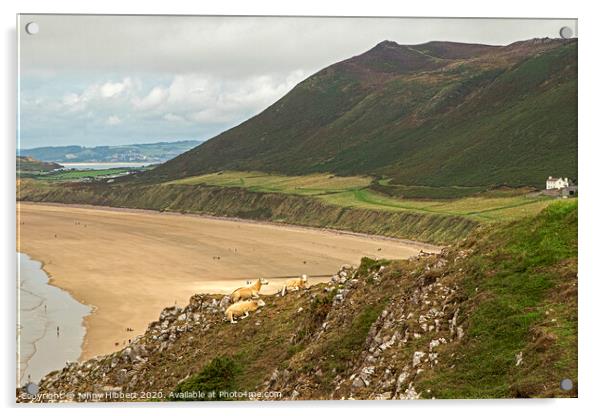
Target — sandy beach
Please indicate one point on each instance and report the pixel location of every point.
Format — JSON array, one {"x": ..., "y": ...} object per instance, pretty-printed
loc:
[{"x": 130, "y": 264}]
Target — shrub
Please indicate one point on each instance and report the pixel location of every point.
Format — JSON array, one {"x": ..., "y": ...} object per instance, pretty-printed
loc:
[
  {"x": 368, "y": 265},
  {"x": 216, "y": 377}
]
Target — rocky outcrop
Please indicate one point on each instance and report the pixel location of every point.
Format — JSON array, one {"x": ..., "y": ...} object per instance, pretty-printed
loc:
[{"x": 401, "y": 343}]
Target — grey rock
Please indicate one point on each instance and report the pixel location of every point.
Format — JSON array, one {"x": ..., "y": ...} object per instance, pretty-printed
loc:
[
  {"x": 357, "y": 383},
  {"x": 417, "y": 358},
  {"x": 224, "y": 303}
]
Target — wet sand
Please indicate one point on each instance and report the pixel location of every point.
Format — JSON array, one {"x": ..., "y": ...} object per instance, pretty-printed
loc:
[
  {"x": 130, "y": 264},
  {"x": 41, "y": 348}
]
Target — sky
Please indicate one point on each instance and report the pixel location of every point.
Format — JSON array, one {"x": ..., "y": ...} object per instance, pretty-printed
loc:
[{"x": 106, "y": 80}]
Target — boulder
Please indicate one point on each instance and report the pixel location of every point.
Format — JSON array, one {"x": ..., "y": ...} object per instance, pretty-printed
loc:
[{"x": 224, "y": 303}]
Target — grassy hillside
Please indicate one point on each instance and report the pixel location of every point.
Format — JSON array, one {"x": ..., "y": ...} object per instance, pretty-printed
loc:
[
  {"x": 361, "y": 192},
  {"x": 438, "y": 115},
  {"x": 492, "y": 317},
  {"x": 349, "y": 203},
  {"x": 521, "y": 299},
  {"x": 75, "y": 175},
  {"x": 317, "y": 184}
]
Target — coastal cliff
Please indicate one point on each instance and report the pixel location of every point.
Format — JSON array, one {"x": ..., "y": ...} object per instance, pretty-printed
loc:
[{"x": 240, "y": 203}]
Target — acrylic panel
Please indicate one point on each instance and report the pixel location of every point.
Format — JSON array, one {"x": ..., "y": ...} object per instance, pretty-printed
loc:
[{"x": 296, "y": 208}]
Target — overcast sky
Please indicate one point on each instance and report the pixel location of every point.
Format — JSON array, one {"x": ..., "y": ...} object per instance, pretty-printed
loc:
[{"x": 94, "y": 80}]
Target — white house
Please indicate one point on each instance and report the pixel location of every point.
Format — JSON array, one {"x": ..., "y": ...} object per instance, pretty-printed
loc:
[{"x": 557, "y": 183}]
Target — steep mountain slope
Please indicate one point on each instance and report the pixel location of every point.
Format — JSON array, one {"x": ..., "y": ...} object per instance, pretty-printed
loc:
[
  {"x": 494, "y": 316},
  {"x": 435, "y": 114}
]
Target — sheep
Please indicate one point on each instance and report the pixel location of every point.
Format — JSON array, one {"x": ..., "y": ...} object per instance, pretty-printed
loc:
[
  {"x": 242, "y": 309},
  {"x": 243, "y": 293},
  {"x": 295, "y": 284}
]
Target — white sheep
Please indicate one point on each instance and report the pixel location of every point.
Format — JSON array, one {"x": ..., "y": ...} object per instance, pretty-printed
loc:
[
  {"x": 242, "y": 309},
  {"x": 249, "y": 292},
  {"x": 295, "y": 284}
]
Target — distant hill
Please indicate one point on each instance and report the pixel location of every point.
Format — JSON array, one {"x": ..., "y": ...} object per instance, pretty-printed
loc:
[
  {"x": 150, "y": 152},
  {"x": 29, "y": 164},
  {"x": 436, "y": 114}
]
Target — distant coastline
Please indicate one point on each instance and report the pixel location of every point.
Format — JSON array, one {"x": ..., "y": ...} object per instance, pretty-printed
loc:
[
  {"x": 146, "y": 153},
  {"x": 103, "y": 165}
]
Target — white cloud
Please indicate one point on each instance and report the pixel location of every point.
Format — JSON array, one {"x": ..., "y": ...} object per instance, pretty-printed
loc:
[
  {"x": 112, "y": 89},
  {"x": 113, "y": 121},
  {"x": 71, "y": 99},
  {"x": 192, "y": 105},
  {"x": 202, "y": 98},
  {"x": 156, "y": 97},
  {"x": 173, "y": 117},
  {"x": 210, "y": 116},
  {"x": 95, "y": 94}
]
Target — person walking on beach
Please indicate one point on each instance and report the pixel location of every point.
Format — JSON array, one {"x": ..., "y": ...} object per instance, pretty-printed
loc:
[{"x": 57, "y": 331}]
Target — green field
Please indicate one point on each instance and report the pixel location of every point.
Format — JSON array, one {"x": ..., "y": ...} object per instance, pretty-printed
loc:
[
  {"x": 480, "y": 208},
  {"x": 315, "y": 184},
  {"x": 79, "y": 175},
  {"x": 355, "y": 191}
]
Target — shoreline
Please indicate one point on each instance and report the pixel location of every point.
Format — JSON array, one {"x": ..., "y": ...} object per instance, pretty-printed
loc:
[
  {"x": 51, "y": 282},
  {"x": 36, "y": 345},
  {"x": 67, "y": 271}
]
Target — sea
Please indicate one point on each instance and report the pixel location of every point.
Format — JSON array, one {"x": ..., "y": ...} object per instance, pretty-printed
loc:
[
  {"x": 50, "y": 329},
  {"x": 102, "y": 165}
]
